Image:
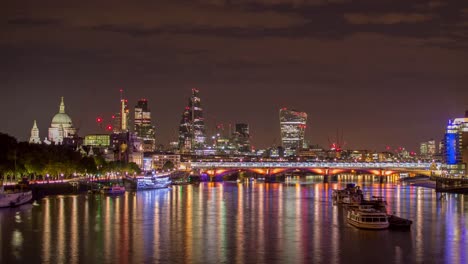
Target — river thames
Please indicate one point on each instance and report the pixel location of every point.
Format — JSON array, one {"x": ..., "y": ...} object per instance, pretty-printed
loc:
[{"x": 229, "y": 222}]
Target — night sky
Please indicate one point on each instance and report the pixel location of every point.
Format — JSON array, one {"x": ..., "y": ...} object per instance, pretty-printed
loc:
[{"x": 386, "y": 72}]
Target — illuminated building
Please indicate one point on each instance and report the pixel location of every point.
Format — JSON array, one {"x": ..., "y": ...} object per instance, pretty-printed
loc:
[
  {"x": 456, "y": 146},
  {"x": 293, "y": 126},
  {"x": 122, "y": 118},
  {"x": 143, "y": 128},
  {"x": 159, "y": 160},
  {"x": 61, "y": 127},
  {"x": 34, "y": 139},
  {"x": 242, "y": 137},
  {"x": 97, "y": 140},
  {"x": 427, "y": 149},
  {"x": 192, "y": 127}
]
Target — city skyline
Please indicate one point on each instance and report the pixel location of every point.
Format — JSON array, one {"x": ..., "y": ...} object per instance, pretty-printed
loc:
[
  {"x": 387, "y": 73},
  {"x": 211, "y": 130}
]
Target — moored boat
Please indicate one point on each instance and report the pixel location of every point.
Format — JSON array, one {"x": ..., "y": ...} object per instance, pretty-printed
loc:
[
  {"x": 398, "y": 222},
  {"x": 365, "y": 217},
  {"x": 112, "y": 190},
  {"x": 15, "y": 198},
  {"x": 147, "y": 182},
  {"x": 352, "y": 194}
]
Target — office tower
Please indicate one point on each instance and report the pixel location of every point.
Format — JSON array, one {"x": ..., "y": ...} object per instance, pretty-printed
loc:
[
  {"x": 192, "y": 127},
  {"x": 122, "y": 118},
  {"x": 242, "y": 137},
  {"x": 293, "y": 126},
  {"x": 456, "y": 145},
  {"x": 144, "y": 130},
  {"x": 427, "y": 149}
]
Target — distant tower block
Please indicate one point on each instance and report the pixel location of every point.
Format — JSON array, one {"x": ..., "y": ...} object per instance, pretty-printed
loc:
[
  {"x": 34, "y": 139},
  {"x": 293, "y": 125},
  {"x": 192, "y": 126},
  {"x": 143, "y": 128}
]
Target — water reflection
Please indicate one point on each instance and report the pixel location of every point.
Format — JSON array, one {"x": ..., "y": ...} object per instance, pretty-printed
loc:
[{"x": 229, "y": 222}]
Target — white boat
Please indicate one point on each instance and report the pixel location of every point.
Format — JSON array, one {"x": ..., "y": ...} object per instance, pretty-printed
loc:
[
  {"x": 147, "y": 182},
  {"x": 113, "y": 190},
  {"x": 367, "y": 218},
  {"x": 12, "y": 199}
]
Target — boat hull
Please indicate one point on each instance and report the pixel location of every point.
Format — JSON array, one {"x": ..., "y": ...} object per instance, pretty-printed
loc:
[
  {"x": 115, "y": 190},
  {"x": 372, "y": 226},
  {"x": 142, "y": 184},
  {"x": 399, "y": 223},
  {"x": 15, "y": 199}
]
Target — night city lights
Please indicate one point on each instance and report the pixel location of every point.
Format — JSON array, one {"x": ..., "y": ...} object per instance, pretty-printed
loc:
[{"x": 215, "y": 131}]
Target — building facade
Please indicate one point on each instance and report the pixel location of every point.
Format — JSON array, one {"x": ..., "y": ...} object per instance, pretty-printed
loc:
[
  {"x": 143, "y": 128},
  {"x": 192, "y": 135},
  {"x": 242, "y": 138},
  {"x": 456, "y": 146},
  {"x": 427, "y": 149},
  {"x": 293, "y": 125},
  {"x": 159, "y": 160},
  {"x": 122, "y": 118},
  {"x": 97, "y": 140}
]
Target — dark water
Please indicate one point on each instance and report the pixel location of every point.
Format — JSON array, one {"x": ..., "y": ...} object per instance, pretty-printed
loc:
[{"x": 232, "y": 223}]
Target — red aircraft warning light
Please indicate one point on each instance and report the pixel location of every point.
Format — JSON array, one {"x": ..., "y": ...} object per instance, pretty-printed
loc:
[
  {"x": 109, "y": 127},
  {"x": 99, "y": 119}
]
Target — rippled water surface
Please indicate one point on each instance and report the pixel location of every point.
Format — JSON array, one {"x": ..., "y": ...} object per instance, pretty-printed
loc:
[{"x": 232, "y": 223}]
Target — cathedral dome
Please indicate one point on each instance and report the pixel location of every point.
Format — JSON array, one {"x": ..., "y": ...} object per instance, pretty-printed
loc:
[{"x": 61, "y": 119}]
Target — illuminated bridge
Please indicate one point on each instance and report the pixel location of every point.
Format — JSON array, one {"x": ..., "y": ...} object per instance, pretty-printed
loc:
[{"x": 320, "y": 168}]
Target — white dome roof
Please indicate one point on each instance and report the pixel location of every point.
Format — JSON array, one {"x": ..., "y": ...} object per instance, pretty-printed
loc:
[{"x": 62, "y": 119}]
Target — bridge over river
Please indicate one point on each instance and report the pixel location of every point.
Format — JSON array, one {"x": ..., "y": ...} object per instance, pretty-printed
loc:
[{"x": 324, "y": 168}]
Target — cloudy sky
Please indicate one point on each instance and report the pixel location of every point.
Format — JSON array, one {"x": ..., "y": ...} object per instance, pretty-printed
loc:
[{"x": 387, "y": 72}]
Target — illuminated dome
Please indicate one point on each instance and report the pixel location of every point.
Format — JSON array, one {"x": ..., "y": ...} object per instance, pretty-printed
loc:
[
  {"x": 61, "y": 119},
  {"x": 61, "y": 127}
]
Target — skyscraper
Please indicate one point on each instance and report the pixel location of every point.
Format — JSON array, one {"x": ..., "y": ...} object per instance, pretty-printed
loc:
[
  {"x": 293, "y": 126},
  {"x": 456, "y": 145},
  {"x": 427, "y": 149},
  {"x": 192, "y": 126},
  {"x": 242, "y": 137},
  {"x": 143, "y": 128},
  {"x": 122, "y": 118}
]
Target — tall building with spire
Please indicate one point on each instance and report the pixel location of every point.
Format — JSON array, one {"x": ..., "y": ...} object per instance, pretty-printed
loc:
[
  {"x": 35, "y": 139},
  {"x": 192, "y": 126},
  {"x": 143, "y": 128},
  {"x": 61, "y": 126},
  {"x": 293, "y": 126}
]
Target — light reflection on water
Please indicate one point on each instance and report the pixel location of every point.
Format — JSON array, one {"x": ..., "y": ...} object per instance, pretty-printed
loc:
[{"x": 230, "y": 222}]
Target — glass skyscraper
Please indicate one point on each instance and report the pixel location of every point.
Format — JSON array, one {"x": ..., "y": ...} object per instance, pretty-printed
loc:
[
  {"x": 144, "y": 130},
  {"x": 293, "y": 126},
  {"x": 242, "y": 137},
  {"x": 192, "y": 126}
]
